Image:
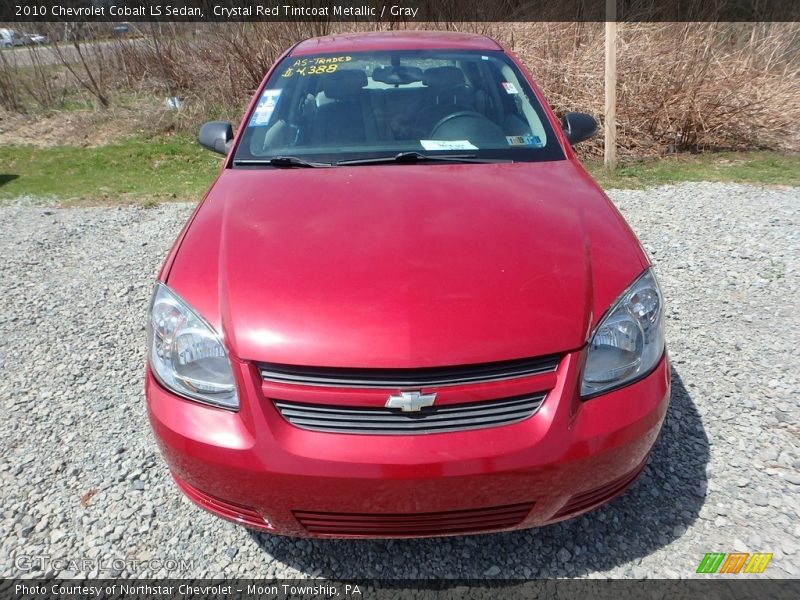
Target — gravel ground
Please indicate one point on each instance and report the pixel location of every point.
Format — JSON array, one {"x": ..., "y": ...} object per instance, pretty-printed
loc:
[{"x": 81, "y": 475}]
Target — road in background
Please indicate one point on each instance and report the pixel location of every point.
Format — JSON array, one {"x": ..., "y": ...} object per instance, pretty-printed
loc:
[{"x": 49, "y": 55}]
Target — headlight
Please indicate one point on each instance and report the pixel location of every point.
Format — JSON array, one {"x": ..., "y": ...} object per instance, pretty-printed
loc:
[
  {"x": 185, "y": 353},
  {"x": 629, "y": 341}
]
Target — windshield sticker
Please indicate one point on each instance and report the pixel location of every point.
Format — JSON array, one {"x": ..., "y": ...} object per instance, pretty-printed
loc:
[
  {"x": 509, "y": 87},
  {"x": 263, "y": 111},
  {"x": 447, "y": 145},
  {"x": 524, "y": 140}
]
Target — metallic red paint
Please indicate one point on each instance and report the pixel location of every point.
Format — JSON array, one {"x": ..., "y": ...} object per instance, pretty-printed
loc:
[
  {"x": 346, "y": 43},
  {"x": 406, "y": 266},
  {"x": 295, "y": 267}
]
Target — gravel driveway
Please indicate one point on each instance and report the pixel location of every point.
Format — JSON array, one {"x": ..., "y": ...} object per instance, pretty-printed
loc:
[{"x": 81, "y": 475}]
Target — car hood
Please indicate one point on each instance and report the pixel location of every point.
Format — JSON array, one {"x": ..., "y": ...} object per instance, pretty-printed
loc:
[{"x": 404, "y": 265}]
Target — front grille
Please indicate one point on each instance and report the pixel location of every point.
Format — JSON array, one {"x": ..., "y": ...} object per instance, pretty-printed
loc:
[
  {"x": 414, "y": 524},
  {"x": 388, "y": 421},
  {"x": 423, "y": 377}
]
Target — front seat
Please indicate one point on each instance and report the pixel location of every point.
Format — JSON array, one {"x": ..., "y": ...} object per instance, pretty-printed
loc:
[
  {"x": 348, "y": 116},
  {"x": 447, "y": 93}
]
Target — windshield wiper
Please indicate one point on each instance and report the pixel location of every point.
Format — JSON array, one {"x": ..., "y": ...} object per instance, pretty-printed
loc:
[
  {"x": 280, "y": 161},
  {"x": 415, "y": 157}
]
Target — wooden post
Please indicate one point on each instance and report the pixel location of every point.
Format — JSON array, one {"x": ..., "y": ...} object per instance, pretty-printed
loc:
[{"x": 610, "y": 139}]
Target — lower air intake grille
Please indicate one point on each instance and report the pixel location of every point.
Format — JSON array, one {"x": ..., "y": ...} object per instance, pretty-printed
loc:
[
  {"x": 414, "y": 524},
  {"x": 591, "y": 498},
  {"x": 387, "y": 421}
]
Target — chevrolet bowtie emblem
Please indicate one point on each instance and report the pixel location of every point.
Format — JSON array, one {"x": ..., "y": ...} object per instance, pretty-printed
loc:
[{"x": 410, "y": 401}]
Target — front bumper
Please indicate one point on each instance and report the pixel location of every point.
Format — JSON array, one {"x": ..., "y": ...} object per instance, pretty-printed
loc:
[{"x": 254, "y": 468}]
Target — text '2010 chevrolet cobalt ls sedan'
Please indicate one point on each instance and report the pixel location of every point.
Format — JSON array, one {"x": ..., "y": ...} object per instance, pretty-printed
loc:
[{"x": 404, "y": 308}]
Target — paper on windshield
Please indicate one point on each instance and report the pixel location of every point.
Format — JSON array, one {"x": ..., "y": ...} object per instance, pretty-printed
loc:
[{"x": 447, "y": 145}]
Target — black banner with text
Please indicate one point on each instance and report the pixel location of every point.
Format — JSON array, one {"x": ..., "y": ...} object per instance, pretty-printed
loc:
[
  {"x": 397, "y": 10},
  {"x": 712, "y": 588}
]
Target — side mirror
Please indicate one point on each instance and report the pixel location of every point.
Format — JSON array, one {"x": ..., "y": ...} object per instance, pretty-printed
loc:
[
  {"x": 578, "y": 127},
  {"x": 216, "y": 136}
]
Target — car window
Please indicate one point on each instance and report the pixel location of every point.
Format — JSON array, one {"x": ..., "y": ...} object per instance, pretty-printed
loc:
[{"x": 328, "y": 108}]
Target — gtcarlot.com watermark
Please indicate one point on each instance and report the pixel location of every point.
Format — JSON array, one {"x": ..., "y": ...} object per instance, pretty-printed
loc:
[{"x": 44, "y": 563}]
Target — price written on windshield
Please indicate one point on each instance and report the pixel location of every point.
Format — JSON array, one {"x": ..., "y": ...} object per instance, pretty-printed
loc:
[{"x": 317, "y": 65}]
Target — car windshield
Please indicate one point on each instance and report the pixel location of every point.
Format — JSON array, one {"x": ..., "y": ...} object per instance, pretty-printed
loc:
[{"x": 420, "y": 105}]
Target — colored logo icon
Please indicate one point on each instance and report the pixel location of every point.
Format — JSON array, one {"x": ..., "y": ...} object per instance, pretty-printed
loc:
[{"x": 736, "y": 562}]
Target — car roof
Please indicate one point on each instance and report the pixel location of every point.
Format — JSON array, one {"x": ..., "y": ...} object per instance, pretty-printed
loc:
[{"x": 395, "y": 40}]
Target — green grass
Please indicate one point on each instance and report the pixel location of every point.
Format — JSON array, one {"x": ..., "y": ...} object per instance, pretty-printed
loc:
[
  {"x": 137, "y": 169},
  {"x": 151, "y": 170},
  {"x": 767, "y": 168}
]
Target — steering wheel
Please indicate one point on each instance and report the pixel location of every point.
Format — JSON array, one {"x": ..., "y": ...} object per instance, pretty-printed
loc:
[
  {"x": 457, "y": 115},
  {"x": 468, "y": 125}
]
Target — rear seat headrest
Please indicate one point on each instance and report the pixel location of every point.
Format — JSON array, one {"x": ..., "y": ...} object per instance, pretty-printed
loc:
[
  {"x": 344, "y": 84},
  {"x": 443, "y": 77}
]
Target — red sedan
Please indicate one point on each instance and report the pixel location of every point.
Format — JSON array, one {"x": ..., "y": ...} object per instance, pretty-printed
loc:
[{"x": 403, "y": 308}]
